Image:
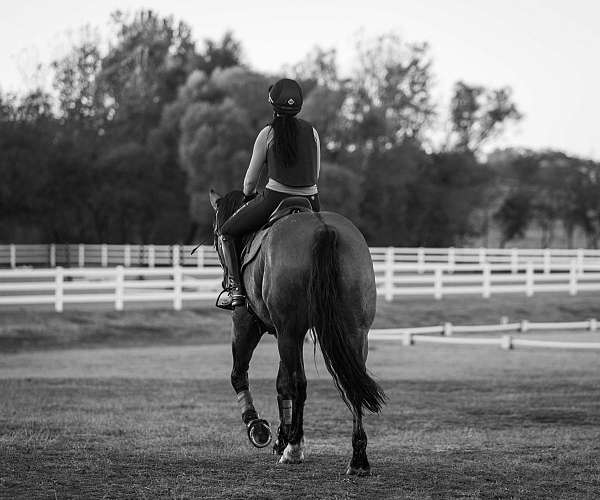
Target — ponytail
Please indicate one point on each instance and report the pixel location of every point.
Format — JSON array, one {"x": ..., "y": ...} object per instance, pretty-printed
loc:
[{"x": 285, "y": 139}]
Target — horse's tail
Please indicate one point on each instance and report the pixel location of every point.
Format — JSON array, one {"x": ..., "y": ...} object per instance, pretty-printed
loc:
[{"x": 333, "y": 326}]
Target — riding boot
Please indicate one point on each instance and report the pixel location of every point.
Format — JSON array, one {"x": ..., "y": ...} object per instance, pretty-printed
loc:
[{"x": 234, "y": 283}]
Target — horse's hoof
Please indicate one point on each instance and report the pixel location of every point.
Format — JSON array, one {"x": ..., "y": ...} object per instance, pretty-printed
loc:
[
  {"x": 278, "y": 447},
  {"x": 259, "y": 433},
  {"x": 292, "y": 454},
  {"x": 358, "y": 471}
]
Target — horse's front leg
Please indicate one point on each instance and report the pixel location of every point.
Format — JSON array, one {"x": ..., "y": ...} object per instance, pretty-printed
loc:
[
  {"x": 246, "y": 334},
  {"x": 291, "y": 389}
]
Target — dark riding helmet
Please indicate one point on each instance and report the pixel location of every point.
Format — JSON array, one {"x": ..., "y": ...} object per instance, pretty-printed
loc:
[{"x": 286, "y": 97}]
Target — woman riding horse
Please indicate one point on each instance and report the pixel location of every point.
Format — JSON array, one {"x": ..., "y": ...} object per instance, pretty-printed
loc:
[
  {"x": 313, "y": 271},
  {"x": 290, "y": 148}
]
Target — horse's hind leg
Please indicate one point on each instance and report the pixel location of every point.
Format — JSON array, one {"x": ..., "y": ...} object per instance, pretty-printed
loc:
[
  {"x": 245, "y": 337},
  {"x": 291, "y": 396},
  {"x": 359, "y": 464}
]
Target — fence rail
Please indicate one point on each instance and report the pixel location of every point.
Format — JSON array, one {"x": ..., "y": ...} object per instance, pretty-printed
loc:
[
  {"x": 176, "y": 284},
  {"x": 118, "y": 285},
  {"x": 396, "y": 280},
  {"x": 419, "y": 335},
  {"x": 420, "y": 259}
]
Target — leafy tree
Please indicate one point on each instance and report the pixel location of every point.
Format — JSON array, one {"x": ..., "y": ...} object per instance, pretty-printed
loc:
[
  {"x": 390, "y": 92},
  {"x": 340, "y": 190},
  {"x": 26, "y": 136},
  {"x": 151, "y": 58},
  {"x": 318, "y": 68},
  {"x": 322, "y": 109},
  {"x": 223, "y": 114},
  {"x": 447, "y": 196},
  {"x": 221, "y": 54},
  {"x": 479, "y": 114},
  {"x": 388, "y": 186},
  {"x": 514, "y": 216}
]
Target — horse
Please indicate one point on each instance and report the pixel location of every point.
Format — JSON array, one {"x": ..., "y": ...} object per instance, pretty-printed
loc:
[{"x": 313, "y": 272}]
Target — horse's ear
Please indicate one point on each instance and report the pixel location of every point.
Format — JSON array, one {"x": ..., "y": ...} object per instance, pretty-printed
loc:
[{"x": 214, "y": 198}]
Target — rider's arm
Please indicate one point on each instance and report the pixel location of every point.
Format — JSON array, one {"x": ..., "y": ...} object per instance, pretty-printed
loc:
[
  {"x": 318, "y": 151},
  {"x": 259, "y": 156}
]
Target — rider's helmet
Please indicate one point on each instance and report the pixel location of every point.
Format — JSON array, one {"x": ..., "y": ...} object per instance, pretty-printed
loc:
[{"x": 286, "y": 97}]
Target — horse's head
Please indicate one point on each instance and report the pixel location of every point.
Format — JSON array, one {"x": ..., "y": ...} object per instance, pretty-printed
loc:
[{"x": 224, "y": 206}]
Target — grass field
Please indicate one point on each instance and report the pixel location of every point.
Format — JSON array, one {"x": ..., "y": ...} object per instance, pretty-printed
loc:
[{"x": 138, "y": 405}]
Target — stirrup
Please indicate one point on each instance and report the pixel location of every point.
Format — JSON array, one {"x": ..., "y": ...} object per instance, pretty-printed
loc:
[
  {"x": 231, "y": 301},
  {"x": 225, "y": 303}
]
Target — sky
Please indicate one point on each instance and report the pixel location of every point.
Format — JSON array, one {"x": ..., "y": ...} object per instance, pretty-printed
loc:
[{"x": 546, "y": 50}]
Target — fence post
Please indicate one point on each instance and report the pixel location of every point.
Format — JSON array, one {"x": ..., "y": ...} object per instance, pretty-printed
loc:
[
  {"x": 451, "y": 259},
  {"x": 514, "y": 260},
  {"x": 119, "y": 287},
  {"x": 487, "y": 278},
  {"x": 507, "y": 342},
  {"x": 420, "y": 260},
  {"x": 408, "y": 339},
  {"x": 13, "y": 255},
  {"x": 447, "y": 329},
  {"x": 175, "y": 256},
  {"x": 573, "y": 278},
  {"x": 104, "y": 255},
  {"x": 389, "y": 274},
  {"x": 151, "y": 256},
  {"x": 482, "y": 255},
  {"x": 547, "y": 257},
  {"x": 127, "y": 255},
  {"x": 58, "y": 289},
  {"x": 52, "y": 252},
  {"x": 580, "y": 259},
  {"x": 200, "y": 256},
  {"x": 529, "y": 279},
  {"x": 593, "y": 324},
  {"x": 437, "y": 284},
  {"x": 80, "y": 255},
  {"x": 177, "y": 282},
  {"x": 524, "y": 326}
]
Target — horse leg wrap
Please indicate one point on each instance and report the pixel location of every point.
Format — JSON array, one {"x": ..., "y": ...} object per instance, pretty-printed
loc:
[
  {"x": 244, "y": 399},
  {"x": 286, "y": 411}
]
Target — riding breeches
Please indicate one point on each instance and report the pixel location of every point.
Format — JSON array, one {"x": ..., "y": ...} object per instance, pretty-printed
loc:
[{"x": 253, "y": 215}]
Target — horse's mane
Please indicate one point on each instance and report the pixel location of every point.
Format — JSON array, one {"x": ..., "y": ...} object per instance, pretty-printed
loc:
[{"x": 227, "y": 205}]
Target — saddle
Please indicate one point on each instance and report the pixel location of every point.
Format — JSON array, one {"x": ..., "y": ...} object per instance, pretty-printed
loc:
[{"x": 252, "y": 243}]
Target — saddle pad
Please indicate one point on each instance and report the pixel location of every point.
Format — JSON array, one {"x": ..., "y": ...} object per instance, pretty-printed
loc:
[
  {"x": 252, "y": 247},
  {"x": 288, "y": 206}
]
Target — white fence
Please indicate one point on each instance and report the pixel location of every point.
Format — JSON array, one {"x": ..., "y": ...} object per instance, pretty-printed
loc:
[
  {"x": 52, "y": 255},
  {"x": 420, "y": 259},
  {"x": 117, "y": 285},
  {"x": 444, "y": 334},
  {"x": 438, "y": 280},
  {"x": 176, "y": 284}
]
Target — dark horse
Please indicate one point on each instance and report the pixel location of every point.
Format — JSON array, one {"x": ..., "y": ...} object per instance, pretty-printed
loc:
[{"x": 313, "y": 271}]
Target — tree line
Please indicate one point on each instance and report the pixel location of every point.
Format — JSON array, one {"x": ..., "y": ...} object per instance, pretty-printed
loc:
[{"x": 127, "y": 143}]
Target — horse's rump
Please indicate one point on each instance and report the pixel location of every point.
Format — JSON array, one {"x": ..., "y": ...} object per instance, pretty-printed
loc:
[{"x": 316, "y": 272}]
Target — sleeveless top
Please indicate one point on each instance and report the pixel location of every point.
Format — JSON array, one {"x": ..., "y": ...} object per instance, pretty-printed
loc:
[{"x": 303, "y": 172}]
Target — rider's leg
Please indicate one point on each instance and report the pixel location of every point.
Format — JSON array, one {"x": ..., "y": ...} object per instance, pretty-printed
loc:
[
  {"x": 249, "y": 217},
  {"x": 230, "y": 260}
]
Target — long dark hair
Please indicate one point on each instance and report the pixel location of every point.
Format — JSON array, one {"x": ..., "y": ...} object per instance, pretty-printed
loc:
[{"x": 285, "y": 138}]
